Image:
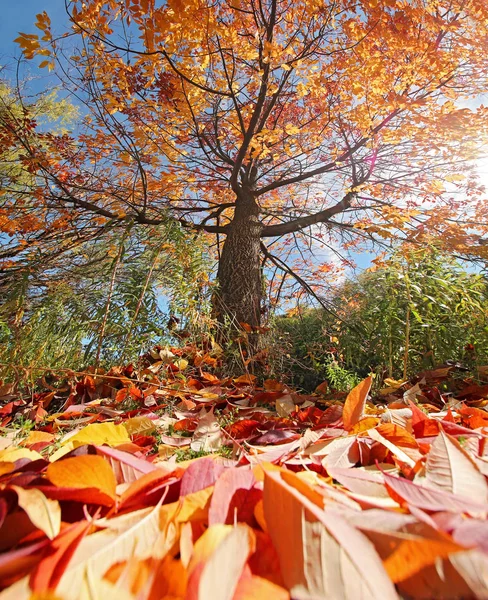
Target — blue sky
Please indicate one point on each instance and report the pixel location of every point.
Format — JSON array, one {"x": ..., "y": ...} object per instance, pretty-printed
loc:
[{"x": 20, "y": 15}]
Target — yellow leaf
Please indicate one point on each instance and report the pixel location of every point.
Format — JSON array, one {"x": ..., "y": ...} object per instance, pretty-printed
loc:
[
  {"x": 291, "y": 129},
  {"x": 181, "y": 364},
  {"x": 140, "y": 426},
  {"x": 13, "y": 454},
  {"x": 43, "y": 512},
  {"x": 364, "y": 425},
  {"x": 101, "y": 433},
  {"x": 36, "y": 437}
]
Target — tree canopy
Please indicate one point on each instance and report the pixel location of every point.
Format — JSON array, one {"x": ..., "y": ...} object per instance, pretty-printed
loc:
[{"x": 274, "y": 125}]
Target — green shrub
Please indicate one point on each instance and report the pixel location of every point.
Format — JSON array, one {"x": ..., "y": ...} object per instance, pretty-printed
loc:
[{"x": 420, "y": 309}]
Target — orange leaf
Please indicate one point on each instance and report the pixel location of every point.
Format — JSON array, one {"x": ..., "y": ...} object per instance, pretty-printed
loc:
[
  {"x": 311, "y": 544},
  {"x": 404, "y": 555},
  {"x": 355, "y": 403},
  {"x": 248, "y": 379},
  {"x": 56, "y": 557},
  {"x": 88, "y": 471},
  {"x": 36, "y": 437},
  {"x": 364, "y": 424},
  {"x": 397, "y": 435}
]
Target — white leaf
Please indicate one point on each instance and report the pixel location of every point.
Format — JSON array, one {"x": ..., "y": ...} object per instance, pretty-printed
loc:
[{"x": 451, "y": 469}]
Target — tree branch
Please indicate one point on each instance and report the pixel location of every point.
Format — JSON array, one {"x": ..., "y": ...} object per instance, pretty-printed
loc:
[{"x": 302, "y": 222}]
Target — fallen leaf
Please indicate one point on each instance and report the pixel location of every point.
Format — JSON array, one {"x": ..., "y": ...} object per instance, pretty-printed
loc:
[
  {"x": 355, "y": 403},
  {"x": 406, "y": 492},
  {"x": 321, "y": 556},
  {"x": 451, "y": 469},
  {"x": 285, "y": 405},
  {"x": 234, "y": 497},
  {"x": 207, "y": 436},
  {"x": 341, "y": 452},
  {"x": 100, "y": 433},
  {"x": 56, "y": 557},
  {"x": 44, "y": 513},
  {"x": 201, "y": 473},
  {"x": 214, "y": 572},
  {"x": 88, "y": 471}
]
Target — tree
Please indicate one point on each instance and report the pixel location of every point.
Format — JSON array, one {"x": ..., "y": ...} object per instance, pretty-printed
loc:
[
  {"x": 268, "y": 123},
  {"x": 81, "y": 294},
  {"x": 101, "y": 301}
]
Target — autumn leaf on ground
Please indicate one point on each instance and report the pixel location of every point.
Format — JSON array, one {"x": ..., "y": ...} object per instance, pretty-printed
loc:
[{"x": 355, "y": 403}]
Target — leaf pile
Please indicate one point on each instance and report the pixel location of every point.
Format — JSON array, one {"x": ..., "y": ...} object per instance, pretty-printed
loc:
[{"x": 298, "y": 496}]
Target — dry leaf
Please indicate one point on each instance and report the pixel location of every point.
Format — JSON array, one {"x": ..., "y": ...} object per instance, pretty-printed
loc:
[
  {"x": 44, "y": 513},
  {"x": 355, "y": 403}
]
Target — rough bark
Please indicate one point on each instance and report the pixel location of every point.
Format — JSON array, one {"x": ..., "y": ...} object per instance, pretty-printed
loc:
[{"x": 239, "y": 273}]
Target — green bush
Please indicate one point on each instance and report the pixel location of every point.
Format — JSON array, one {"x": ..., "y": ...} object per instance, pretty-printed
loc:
[{"x": 420, "y": 309}]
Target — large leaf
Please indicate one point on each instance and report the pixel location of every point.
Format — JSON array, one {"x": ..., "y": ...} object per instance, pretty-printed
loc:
[
  {"x": 234, "y": 497},
  {"x": 472, "y": 565},
  {"x": 101, "y": 433},
  {"x": 321, "y": 556},
  {"x": 88, "y": 471},
  {"x": 217, "y": 570},
  {"x": 200, "y": 474},
  {"x": 393, "y": 448},
  {"x": 367, "y": 483},
  {"x": 451, "y": 469},
  {"x": 126, "y": 467},
  {"x": 342, "y": 453},
  {"x": 56, "y": 557},
  {"x": 101, "y": 550},
  {"x": 406, "y": 492}
]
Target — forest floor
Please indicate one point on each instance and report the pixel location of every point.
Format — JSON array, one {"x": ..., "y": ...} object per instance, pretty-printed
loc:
[{"x": 166, "y": 481}]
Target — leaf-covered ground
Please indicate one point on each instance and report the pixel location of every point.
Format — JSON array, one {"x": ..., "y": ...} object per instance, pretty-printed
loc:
[{"x": 166, "y": 482}]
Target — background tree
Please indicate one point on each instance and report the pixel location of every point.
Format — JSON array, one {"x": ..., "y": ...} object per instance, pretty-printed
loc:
[
  {"x": 104, "y": 301},
  {"x": 268, "y": 123},
  {"x": 81, "y": 295}
]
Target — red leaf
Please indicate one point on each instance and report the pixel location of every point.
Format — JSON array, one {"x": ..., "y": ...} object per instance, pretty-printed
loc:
[
  {"x": 121, "y": 395},
  {"x": 150, "y": 488},
  {"x": 200, "y": 474},
  {"x": 136, "y": 393},
  {"x": 243, "y": 429},
  {"x": 275, "y": 436},
  {"x": 234, "y": 497},
  {"x": 407, "y": 492},
  {"x": 421, "y": 424},
  {"x": 56, "y": 557}
]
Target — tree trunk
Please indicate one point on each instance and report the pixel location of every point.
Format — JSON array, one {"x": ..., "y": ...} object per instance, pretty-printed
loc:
[{"x": 239, "y": 273}]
